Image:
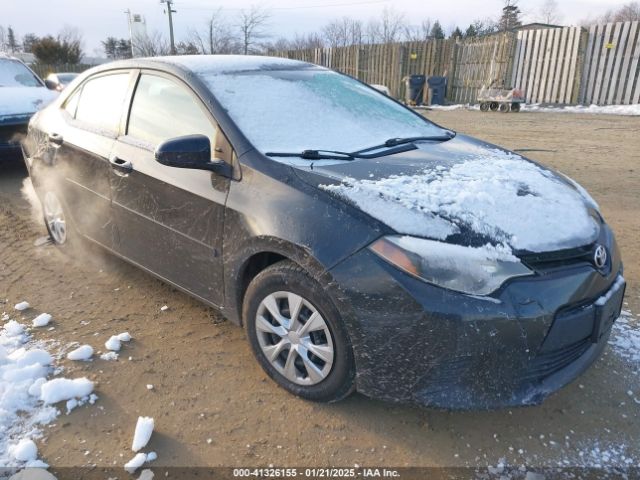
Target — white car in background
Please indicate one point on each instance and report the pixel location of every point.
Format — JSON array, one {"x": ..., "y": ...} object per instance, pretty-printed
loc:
[{"x": 22, "y": 93}]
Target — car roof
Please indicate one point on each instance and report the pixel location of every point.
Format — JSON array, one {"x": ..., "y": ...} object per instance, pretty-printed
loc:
[{"x": 212, "y": 64}]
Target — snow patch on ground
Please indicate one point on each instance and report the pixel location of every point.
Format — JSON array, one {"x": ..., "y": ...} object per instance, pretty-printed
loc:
[
  {"x": 142, "y": 434},
  {"x": 42, "y": 320},
  {"x": 82, "y": 353},
  {"x": 26, "y": 394},
  {"x": 113, "y": 343},
  {"x": 625, "y": 337},
  {"x": 625, "y": 110},
  {"x": 109, "y": 356},
  {"x": 487, "y": 192}
]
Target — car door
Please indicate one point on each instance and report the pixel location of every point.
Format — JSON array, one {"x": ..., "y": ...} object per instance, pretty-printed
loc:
[
  {"x": 82, "y": 143},
  {"x": 170, "y": 219}
]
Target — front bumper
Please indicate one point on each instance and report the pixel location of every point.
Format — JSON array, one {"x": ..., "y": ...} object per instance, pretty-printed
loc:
[
  {"x": 418, "y": 343},
  {"x": 11, "y": 133}
]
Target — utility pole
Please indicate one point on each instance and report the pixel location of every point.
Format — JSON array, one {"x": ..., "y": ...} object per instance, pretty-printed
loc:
[
  {"x": 128, "y": 12},
  {"x": 170, "y": 11}
]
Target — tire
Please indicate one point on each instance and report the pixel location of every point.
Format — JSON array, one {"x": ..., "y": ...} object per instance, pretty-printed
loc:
[
  {"x": 55, "y": 219},
  {"x": 287, "y": 349},
  {"x": 494, "y": 106},
  {"x": 505, "y": 107},
  {"x": 515, "y": 107},
  {"x": 484, "y": 107}
]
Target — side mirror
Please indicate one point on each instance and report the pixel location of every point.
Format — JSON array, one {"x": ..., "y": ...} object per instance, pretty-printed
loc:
[
  {"x": 191, "y": 151},
  {"x": 50, "y": 84}
]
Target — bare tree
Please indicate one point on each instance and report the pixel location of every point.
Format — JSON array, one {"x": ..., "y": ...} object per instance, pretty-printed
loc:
[
  {"x": 218, "y": 37},
  {"x": 625, "y": 13},
  {"x": 306, "y": 41},
  {"x": 342, "y": 32},
  {"x": 151, "y": 45},
  {"x": 549, "y": 13},
  {"x": 418, "y": 33},
  {"x": 388, "y": 28},
  {"x": 252, "y": 24}
]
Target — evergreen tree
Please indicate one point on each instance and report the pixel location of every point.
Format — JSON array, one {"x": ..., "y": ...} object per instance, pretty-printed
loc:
[
  {"x": 436, "y": 31},
  {"x": 457, "y": 33},
  {"x": 471, "y": 31},
  {"x": 510, "y": 18},
  {"x": 110, "y": 46},
  {"x": 12, "y": 44},
  {"x": 28, "y": 41}
]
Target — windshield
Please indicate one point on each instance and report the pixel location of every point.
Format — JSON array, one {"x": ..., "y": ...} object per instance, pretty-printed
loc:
[
  {"x": 312, "y": 108},
  {"x": 15, "y": 74}
]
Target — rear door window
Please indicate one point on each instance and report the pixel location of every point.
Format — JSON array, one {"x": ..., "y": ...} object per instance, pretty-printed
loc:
[
  {"x": 164, "y": 109},
  {"x": 102, "y": 101}
]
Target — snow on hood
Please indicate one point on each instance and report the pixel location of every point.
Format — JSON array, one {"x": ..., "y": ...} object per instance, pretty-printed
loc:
[
  {"x": 22, "y": 100},
  {"x": 491, "y": 192}
]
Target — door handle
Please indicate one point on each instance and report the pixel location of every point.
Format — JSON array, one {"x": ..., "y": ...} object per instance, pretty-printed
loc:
[
  {"x": 56, "y": 138},
  {"x": 121, "y": 167}
]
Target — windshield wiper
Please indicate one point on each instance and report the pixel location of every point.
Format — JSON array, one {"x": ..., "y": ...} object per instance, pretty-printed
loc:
[
  {"x": 316, "y": 155},
  {"x": 392, "y": 146},
  {"x": 394, "y": 142}
]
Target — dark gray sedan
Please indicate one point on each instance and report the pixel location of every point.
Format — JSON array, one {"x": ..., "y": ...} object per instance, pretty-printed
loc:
[{"x": 360, "y": 245}]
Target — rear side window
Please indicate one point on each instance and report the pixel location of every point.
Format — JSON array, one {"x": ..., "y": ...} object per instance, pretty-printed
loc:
[
  {"x": 102, "y": 101},
  {"x": 164, "y": 109}
]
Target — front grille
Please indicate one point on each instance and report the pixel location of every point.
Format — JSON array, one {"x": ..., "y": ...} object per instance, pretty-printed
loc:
[
  {"x": 548, "y": 363},
  {"x": 560, "y": 258}
]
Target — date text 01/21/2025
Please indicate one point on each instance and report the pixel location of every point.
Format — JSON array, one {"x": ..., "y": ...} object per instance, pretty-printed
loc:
[{"x": 315, "y": 472}]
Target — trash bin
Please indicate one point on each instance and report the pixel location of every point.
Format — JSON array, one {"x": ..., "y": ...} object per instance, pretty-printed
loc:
[
  {"x": 415, "y": 89},
  {"x": 438, "y": 88}
]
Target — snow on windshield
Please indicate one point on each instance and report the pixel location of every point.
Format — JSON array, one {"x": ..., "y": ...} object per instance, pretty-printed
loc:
[
  {"x": 496, "y": 194},
  {"x": 15, "y": 74},
  {"x": 295, "y": 110}
]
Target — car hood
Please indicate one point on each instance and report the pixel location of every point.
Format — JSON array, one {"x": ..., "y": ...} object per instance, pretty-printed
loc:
[
  {"x": 464, "y": 191},
  {"x": 20, "y": 101}
]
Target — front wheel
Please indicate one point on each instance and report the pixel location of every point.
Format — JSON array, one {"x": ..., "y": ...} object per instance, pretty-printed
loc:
[{"x": 297, "y": 334}]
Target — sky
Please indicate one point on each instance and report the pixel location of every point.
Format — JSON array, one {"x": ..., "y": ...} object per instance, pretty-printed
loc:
[{"x": 99, "y": 19}]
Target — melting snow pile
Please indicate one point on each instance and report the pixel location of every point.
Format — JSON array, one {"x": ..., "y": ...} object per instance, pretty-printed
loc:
[
  {"x": 141, "y": 436},
  {"x": 498, "y": 194},
  {"x": 26, "y": 396},
  {"x": 626, "y": 110}
]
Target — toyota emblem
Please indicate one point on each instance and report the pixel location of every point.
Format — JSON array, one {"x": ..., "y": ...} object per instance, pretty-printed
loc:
[{"x": 600, "y": 256}]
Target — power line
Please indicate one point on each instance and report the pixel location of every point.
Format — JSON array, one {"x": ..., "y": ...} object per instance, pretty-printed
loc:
[{"x": 299, "y": 7}]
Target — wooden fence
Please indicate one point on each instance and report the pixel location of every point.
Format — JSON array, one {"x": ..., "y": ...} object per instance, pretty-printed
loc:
[
  {"x": 545, "y": 64},
  {"x": 389, "y": 64},
  {"x": 551, "y": 65},
  {"x": 611, "y": 73}
]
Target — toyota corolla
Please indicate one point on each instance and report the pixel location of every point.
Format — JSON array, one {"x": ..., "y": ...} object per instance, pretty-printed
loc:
[{"x": 361, "y": 246}]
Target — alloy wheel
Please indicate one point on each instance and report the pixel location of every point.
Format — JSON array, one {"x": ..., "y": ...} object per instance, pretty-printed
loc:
[
  {"x": 54, "y": 216},
  {"x": 294, "y": 338}
]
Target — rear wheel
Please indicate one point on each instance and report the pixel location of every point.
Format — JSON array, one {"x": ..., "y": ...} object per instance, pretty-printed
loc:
[
  {"x": 484, "y": 107},
  {"x": 504, "y": 107},
  {"x": 297, "y": 334},
  {"x": 54, "y": 218},
  {"x": 494, "y": 106}
]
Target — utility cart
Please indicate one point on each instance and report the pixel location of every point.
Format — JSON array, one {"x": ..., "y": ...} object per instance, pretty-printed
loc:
[{"x": 504, "y": 100}]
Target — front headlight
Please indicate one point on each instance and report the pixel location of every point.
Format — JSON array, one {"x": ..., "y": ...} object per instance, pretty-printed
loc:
[{"x": 476, "y": 271}]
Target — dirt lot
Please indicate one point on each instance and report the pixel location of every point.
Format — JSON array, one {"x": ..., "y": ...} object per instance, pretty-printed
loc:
[{"x": 207, "y": 385}]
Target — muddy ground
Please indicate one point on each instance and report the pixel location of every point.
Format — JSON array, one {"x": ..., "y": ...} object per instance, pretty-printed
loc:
[{"x": 207, "y": 386}]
